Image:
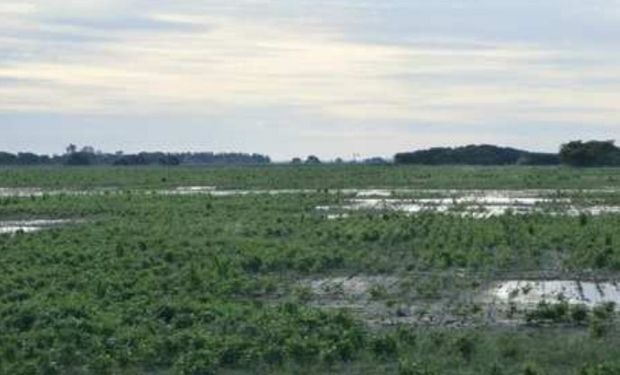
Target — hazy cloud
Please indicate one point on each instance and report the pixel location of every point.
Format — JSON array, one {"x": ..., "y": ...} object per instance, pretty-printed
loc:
[{"x": 386, "y": 74}]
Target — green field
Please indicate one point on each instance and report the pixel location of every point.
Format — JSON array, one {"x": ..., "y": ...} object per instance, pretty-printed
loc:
[
  {"x": 143, "y": 283},
  {"x": 314, "y": 177}
]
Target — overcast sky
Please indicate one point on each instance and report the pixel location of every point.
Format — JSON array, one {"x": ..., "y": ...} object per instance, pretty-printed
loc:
[{"x": 295, "y": 77}]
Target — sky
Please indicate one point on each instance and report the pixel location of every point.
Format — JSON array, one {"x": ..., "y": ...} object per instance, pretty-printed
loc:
[{"x": 334, "y": 78}]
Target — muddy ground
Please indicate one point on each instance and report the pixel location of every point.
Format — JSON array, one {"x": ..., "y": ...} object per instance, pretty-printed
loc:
[{"x": 456, "y": 300}]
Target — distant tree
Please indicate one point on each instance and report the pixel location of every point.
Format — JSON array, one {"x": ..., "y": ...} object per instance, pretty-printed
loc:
[
  {"x": 311, "y": 159},
  {"x": 79, "y": 158},
  {"x": 71, "y": 149},
  {"x": 338, "y": 161},
  {"x": 535, "y": 158},
  {"x": 88, "y": 150},
  {"x": 88, "y": 155},
  {"x": 296, "y": 161},
  {"x": 589, "y": 154},
  {"x": 223, "y": 158},
  {"x": 7, "y": 158},
  {"x": 474, "y": 155},
  {"x": 126, "y": 160},
  {"x": 28, "y": 158},
  {"x": 375, "y": 161},
  {"x": 169, "y": 160}
]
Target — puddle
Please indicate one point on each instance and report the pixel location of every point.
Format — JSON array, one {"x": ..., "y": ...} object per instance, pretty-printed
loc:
[
  {"x": 356, "y": 287},
  {"x": 488, "y": 196},
  {"x": 193, "y": 189},
  {"x": 472, "y": 203},
  {"x": 337, "y": 216},
  {"x": 594, "y": 210},
  {"x": 373, "y": 193},
  {"x": 477, "y": 204},
  {"x": 475, "y": 194},
  {"x": 38, "y": 192},
  {"x": 181, "y": 190},
  {"x": 20, "y": 192},
  {"x": 28, "y": 226},
  {"x": 363, "y": 296},
  {"x": 381, "y": 301},
  {"x": 523, "y": 197},
  {"x": 530, "y": 293},
  {"x": 388, "y": 300},
  {"x": 232, "y": 193}
]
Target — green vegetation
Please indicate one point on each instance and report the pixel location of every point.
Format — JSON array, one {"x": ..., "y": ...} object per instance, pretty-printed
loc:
[
  {"x": 563, "y": 312},
  {"x": 153, "y": 284},
  {"x": 313, "y": 177}
]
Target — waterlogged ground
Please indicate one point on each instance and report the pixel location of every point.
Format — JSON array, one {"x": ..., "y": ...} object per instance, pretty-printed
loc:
[
  {"x": 474, "y": 203},
  {"x": 458, "y": 301},
  {"x": 384, "y": 301},
  {"x": 206, "y": 277},
  {"x": 532, "y": 292},
  {"x": 27, "y": 226}
]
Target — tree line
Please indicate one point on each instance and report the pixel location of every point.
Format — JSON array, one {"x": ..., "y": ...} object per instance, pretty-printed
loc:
[
  {"x": 590, "y": 154},
  {"x": 87, "y": 155},
  {"x": 575, "y": 153}
]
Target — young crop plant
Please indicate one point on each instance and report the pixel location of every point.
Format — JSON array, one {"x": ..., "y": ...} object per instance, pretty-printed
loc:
[{"x": 148, "y": 283}]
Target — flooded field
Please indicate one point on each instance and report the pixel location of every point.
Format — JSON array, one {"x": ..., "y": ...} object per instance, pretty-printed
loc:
[
  {"x": 27, "y": 226},
  {"x": 473, "y": 203},
  {"x": 530, "y": 293},
  {"x": 202, "y": 279},
  {"x": 477, "y": 204},
  {"x": 390, "y": 300},
  {"x": 39, "y": 192},
  {"x": 383, "y": 301},
  {"x": 354, "y": 288},
  {"x": 527, "y": 196}
]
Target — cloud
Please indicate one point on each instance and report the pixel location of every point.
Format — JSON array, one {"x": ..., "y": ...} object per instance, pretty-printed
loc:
[
  {"x": 224, "y": 65},
  {"x": 340, "y": 61},
  {"x": 15, "y": 8}
]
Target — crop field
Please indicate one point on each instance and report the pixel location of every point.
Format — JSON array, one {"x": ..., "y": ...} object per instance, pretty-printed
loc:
[
  {"x": 310, "y": 270},
  {"x": 313, "y": 177}
]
